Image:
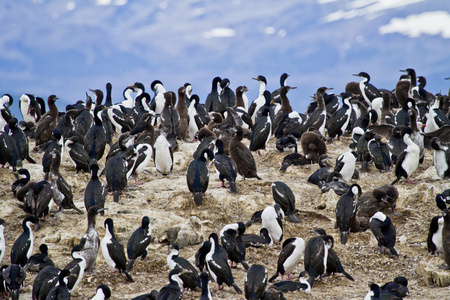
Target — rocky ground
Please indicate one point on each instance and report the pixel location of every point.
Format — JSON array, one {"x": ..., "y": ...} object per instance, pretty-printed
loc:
[{"x": 174, "y": 217}]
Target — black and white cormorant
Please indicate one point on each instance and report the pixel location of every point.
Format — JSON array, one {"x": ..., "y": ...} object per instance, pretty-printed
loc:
[
  {"x": 257, "y": 240},
  {"x": 402, "y": 116},
  {"x": 434, "y": 240},
  {"x": 261, "y": 132},
  {"x": 213, "y": 101},
  {"x": 321, "y": 175},
  {"x": 172, "y": 290},
  {"x": 441, "y": 157},
  {"x": 40, "y": 260},
  {"x": 189, "y": 275},
  {"x": 368, "y": 91},
  {"x": 2, "y": 240},
  {"x": 153, "y": 295},
  {"x": 241, "y": 106},
  {"x": 286, "y": 143},
  {"x": 289, "y": 257},
  {"x": 21, "y": 181},
  {"x": 272, "y": 219},
  {"x": 380, "y": 154},
  {"x": 163, "y": 155},
  {"x": 283, "y": 195},
  {"x": 255, "y": 282},
  {"x": 44, "y": 281},
  {"x": 345, "y": 211},
  {"x": 216, "y": 262},
  {"x": 230, "y": 236},
  {"x": 362, "y": 124},
  {"x": 225, "y": 166},
  {"x": 345, "y": 165},
  {"x": 373, "y": 293},
  {"x": 273, "y": 109},
  {"x": 20, "y": 140},
  {"x": 138, "y": 242},
  {"x": 286, "y": 286},
  {"x": 396, "y": 289},
  {"x": 144, "y": 153},
  {"x": 113, "y": 251},
  {"x": 95, "y": 139},
  {"x": 260, "y": 100},
  {"x": 316, "y": 256},
  {"x": 103, "y": 292},
  {"x": 197, "y": 175},
  {"x": 121, "y": 115},
  {"x": 294, "y": 159},
  {"x": 275, "y": 96},
  {"x": 55, "y": 144},
  {"x": 227, "y": 96},
  {"x": 76, "y": 267},
  {"x": 23, "y": 246},
  {"x": 8, "y": 151},
  {"x": 95, "y": 192},
  {"x": 204, "y": 280},
  {"x": 29, "y": 109},
  {"x": 5, "y": 114},
  {"x": 436, "y": 117},
  {"x": 14, "y": 276},
  {"x": 200, "y": 255},
  {"x": 61, "y": 291},
  {"x": 338, "y": 122},
  {"x": 384, "y": 231},
  {"x": 187, "y": 93},
  {"x": 157, "y": 103},
  {"x": 116, "y": 175},
  {"x": 77, "y": 153},
  {"x": 408, "y": 161}
]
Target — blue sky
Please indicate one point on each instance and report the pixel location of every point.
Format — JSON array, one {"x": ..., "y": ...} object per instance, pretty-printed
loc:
[{"x": 66, "y": 47}]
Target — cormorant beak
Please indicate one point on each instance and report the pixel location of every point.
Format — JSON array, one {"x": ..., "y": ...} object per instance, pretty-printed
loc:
[
  {"x": 403, "y": 71},
  {"x": 328, "y": 89},
  {"x": 356, "y": 75}
]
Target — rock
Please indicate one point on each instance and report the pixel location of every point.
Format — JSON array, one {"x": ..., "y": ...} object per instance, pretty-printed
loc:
[
  {"x": 328, "y": 200},
  {"x": 188, "y": 233},
  {"x": 431, "y": 274}
]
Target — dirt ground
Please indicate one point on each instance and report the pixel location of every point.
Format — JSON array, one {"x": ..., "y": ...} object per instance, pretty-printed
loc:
[{"x": 167, "y": 201}]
